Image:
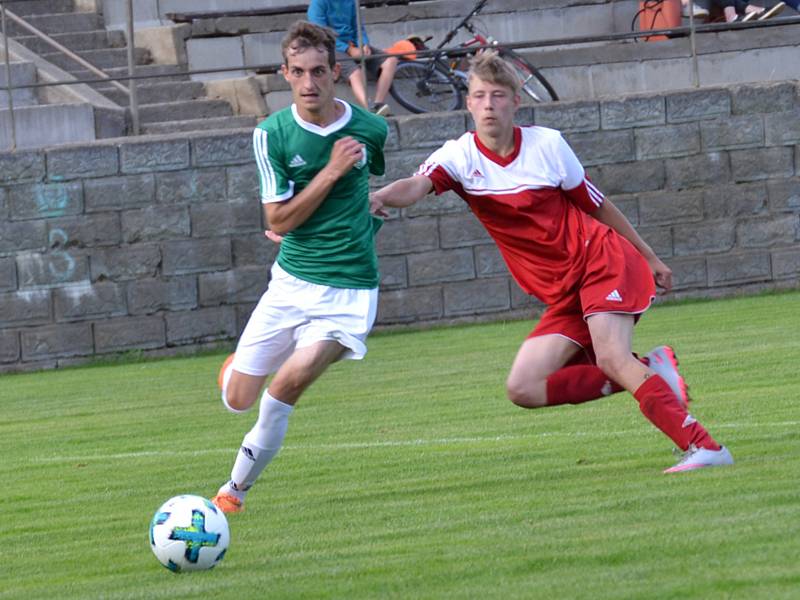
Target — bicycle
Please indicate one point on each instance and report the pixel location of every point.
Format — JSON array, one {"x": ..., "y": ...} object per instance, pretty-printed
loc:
[{"x": 436, "y": 83}]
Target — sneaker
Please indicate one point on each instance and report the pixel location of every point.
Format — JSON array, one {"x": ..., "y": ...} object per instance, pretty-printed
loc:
[
  {"x": 228, "y": 503},
  {"x": 756, "y": 14},
  {"x": 382, "y": 109},
  {"x": 772, "y": 12},
  {"x": 698, "y": 12},
  {"x": 698, "y": 458},
  {"x": 665, "y": 363},
  {"x": 222, "y": 369}
]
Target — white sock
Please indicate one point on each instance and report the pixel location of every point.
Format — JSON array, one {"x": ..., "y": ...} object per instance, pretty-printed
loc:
[{"x": 260, "y": 445}]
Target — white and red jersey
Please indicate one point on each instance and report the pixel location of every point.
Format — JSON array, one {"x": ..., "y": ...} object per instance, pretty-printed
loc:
[{"x": 535, "y": 203}]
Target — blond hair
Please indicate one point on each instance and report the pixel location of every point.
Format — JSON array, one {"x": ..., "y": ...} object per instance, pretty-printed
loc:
[{"x": 488, "y": 66}]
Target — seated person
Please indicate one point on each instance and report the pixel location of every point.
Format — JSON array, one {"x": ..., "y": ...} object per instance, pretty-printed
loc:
[{"x": 340, "y": 15}]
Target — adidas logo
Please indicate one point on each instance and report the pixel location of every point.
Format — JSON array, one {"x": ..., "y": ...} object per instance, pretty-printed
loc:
[
  {"x": 614, "y": 297},
  {"x": 477, "y": 173},
  {"x": 297, "y": 161},
  {"x": 248, "y": 452}
]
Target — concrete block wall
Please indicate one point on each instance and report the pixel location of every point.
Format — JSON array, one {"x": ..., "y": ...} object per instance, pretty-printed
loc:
[{"x": 156, "y": 244}]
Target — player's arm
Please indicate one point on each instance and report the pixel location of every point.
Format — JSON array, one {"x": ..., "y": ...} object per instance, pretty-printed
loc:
[
  {"x": 584, "y": 194},
  {"x": 401, "y": 193},
  {"x": 285, "y": 216},
  {"x": 610, "y": 215}
]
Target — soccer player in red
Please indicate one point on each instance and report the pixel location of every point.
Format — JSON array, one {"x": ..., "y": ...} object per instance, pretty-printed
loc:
[{"x": 570, "y": 247}]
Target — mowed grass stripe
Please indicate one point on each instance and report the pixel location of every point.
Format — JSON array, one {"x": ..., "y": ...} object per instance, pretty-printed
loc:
[{"x": 408, "y": 475}]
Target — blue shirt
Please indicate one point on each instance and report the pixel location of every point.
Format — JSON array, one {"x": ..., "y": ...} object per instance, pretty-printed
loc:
[{"x": 339, "y": 15}]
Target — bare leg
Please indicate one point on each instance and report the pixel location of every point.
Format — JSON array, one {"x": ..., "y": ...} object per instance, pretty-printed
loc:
[
  {"x": 388, "y": 68},
  {"x": 359, "y": 87},
  {"x": 537, "y": 358},
  {"x": 611, "y": 338}
]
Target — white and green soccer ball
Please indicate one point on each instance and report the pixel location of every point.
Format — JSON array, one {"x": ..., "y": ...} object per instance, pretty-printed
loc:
[{"x": 189, "y": 533}]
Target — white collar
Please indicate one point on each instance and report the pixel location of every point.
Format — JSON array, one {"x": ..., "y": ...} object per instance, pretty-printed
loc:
[{"x": 332, "y": 128}]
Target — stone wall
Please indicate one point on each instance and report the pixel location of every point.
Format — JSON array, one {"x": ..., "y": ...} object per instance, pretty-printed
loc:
[{"x": 156, "y": 244}]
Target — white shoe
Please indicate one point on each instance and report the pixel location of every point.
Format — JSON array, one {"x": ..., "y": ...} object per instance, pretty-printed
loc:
[
  {"x": 772, "y": 12},
  {"x": 664, "y": 362},
  {"x": 699, "y": 12},
  {"x": 698, "y": 458}
]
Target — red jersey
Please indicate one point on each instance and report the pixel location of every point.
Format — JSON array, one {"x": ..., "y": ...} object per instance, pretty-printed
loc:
[{"x": 535, "y": 203}]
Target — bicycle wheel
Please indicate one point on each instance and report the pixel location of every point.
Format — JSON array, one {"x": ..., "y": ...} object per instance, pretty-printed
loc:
[
  {"x": 533, "y": 82},
  {"x": 420, "y": 88}
]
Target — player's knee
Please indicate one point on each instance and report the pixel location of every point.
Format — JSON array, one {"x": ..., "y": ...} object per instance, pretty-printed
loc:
[
  {"x": 524, "y": 394},
  {"x": 238, "y": 400},
  {"x": 611, "y": 363}
]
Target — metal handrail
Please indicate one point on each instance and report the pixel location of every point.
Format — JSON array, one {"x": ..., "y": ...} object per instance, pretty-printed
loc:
[
  {"x": 611, "y": 37},
  {"x": 64, "y": 50}
]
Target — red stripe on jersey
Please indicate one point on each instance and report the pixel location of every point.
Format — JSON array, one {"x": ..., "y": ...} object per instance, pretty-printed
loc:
[{"x": 585, "y": 196}]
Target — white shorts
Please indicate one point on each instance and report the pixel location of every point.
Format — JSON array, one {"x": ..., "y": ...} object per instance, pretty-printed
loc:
[{"x": 294, "y": 313}]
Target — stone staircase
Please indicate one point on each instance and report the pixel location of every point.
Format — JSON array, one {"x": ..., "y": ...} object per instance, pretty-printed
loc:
[{"x": 171, "y": 102}]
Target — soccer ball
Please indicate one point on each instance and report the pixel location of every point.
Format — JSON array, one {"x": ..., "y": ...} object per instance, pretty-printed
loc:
[{"x": 189, "y": 533}]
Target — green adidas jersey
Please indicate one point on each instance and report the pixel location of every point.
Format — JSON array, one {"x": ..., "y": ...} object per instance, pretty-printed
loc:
[{"x": 335, "y": 246}]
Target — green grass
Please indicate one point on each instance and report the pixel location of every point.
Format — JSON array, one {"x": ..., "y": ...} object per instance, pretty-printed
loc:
[{"x": 408, "y": 475}]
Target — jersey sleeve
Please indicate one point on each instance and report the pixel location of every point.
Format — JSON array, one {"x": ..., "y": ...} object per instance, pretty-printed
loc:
[
  {"x": 440, "y": 169},
  {"x": 275, "y": 185},
  {"x": 576, "y": 186}
]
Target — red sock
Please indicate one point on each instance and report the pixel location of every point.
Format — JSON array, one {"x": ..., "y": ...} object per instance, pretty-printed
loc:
[
  {"x": 658, "y": 403},
  {"x": 577, "y": 384},
  {"x": 580, "y": 381}
]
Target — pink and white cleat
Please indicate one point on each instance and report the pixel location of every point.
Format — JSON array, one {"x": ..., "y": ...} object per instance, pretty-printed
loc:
[
  {"x": 698, "y": 458},
  {"x": 665, "y": 363}
]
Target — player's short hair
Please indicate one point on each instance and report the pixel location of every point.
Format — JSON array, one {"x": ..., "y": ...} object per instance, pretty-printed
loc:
[
  {"x": 488, "y": 66},
  {"x": 303, "y": 35}
]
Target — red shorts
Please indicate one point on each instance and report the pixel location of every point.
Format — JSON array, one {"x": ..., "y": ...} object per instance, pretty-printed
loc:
[{"x": 617, "y": 279}]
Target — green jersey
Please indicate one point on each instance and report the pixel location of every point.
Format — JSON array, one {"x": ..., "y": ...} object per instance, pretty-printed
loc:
[{"x": 335, "y": 246}]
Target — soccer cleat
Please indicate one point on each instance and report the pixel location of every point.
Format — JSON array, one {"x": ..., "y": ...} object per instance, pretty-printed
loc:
[
  {"x": 664, "y": 362},
  {"x": 222, "y": 369},
  {"x": 228, "y": 503},
  {"x": 698, "y": 458}
]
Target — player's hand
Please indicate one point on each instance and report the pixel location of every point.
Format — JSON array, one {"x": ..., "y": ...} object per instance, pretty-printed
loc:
[
  {"x": 345, "y": 155},
  {"x": 662, "y": 274},
  {"x": 274, "y": 237},
  {"x": 366, "y": 51},
  {"x": 376, "y": 206}
]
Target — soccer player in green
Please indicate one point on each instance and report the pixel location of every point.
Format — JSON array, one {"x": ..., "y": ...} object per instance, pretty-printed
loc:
[{"x": 314, "y": 160}]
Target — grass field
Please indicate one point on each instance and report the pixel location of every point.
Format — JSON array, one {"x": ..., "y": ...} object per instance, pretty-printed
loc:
[{"x": 408, "y": 475}]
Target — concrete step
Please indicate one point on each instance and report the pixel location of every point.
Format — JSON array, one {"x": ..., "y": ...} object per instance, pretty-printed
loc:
[
  {"x": 41, "y": 7},
  {"x": 161, "y": 73},
  {"x": 22, "y": 73},
  {"x": 102, "y": 59},
  {"x": 47, "y": 125},
  {"x": 154, "y": 93},
  {"x": 216, "y": 123},
  {"x": 181, "y": 111},
  {"x": 75, "y": 41},
  {"x": 59, "y": 23}
]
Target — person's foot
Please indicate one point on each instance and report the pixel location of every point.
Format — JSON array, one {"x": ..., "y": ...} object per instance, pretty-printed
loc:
[
  {"x": 699, "y": 458},
  {"x": 664, "y": 362},
  {"x": 228, "y": 503},
  {"x": 772, "y": 12},
  {"x": 753, "y": 14},
  {"x": 381, "y": 108},
  {"x": 698, "y": 11}
]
